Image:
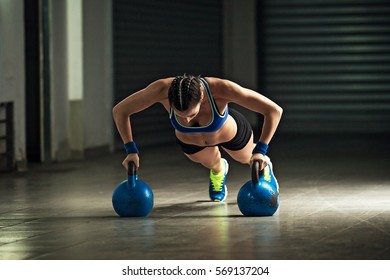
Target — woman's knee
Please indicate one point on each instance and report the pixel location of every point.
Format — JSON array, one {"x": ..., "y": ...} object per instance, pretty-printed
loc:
[
  {"x": 244, "y": 155},
  {"x": 242, "y": 158},
  {"x": 208, "y": 157}
]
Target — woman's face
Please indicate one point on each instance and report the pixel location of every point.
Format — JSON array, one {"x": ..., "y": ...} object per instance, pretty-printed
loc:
[{"x": 187, "y": 115}]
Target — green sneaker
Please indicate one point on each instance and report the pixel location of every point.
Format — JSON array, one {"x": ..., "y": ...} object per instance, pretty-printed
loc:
[{"x": 217, "y": 187}]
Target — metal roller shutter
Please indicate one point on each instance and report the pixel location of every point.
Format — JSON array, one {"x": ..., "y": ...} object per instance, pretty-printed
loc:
[
  {"x": 328, "y": 63},
  {"x": 156, "y": 39}
]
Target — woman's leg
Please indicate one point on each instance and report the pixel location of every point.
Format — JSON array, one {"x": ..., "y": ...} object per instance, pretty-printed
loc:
[
  {"x": 243, "y": 155},
  {"x": 241, "y": 146},
  {"x": 209, "y": 157}
]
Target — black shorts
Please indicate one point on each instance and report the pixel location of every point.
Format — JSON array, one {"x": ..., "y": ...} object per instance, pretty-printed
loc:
[{"x": 239, "y": 141}]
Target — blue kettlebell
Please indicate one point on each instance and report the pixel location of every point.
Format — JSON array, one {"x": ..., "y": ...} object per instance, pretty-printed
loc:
[
  {"x": 259, "y": 196},
  {"x": 132, "y": 197}
]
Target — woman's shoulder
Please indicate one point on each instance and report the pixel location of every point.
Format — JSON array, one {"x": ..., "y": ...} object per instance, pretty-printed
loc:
[
  {"x": 159, "y": 88},
  {"x": 218, "y": 86},
  {"x": 217, "y": 83},
  {"x": 162, "y": 84}
]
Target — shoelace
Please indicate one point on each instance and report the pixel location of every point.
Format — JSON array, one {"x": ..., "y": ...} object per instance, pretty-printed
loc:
[{"x": 217, "y": 181}]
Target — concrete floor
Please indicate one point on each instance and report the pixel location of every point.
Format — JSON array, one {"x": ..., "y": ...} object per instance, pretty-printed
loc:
[{"x": 335, "y": 204}]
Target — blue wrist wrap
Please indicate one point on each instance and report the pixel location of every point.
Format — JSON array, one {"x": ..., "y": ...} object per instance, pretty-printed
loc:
[
  {"x": 261, "y": 148},
  {"x": 131, "y": 148}
]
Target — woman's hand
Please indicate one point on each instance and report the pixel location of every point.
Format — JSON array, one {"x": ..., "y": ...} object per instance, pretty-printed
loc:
[
  {"x": 261, "y": 159},
  {"x": 131, "y": 157}
]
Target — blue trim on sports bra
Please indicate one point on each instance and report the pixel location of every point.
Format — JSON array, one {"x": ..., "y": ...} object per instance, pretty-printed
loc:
[{"x": 217, "y": 120}]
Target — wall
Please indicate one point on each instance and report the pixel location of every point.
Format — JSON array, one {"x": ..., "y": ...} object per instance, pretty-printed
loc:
[
  {"x": 60, "y": 107},
  {"x": 327, "y": 63},
  {"x": 81, "y": 78},
  {"x": 240, "y": 53},
  {"x": 98, "y": 74},
  {"x": 12, "y": 78},
  {"x": 162, "y": 38}
]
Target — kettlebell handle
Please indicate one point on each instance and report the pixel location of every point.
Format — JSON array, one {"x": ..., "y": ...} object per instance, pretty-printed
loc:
[
  {"x": 132, "y": 173},
  {"x": 131, "y": 169},
  {"x": 256, "y": 174}
]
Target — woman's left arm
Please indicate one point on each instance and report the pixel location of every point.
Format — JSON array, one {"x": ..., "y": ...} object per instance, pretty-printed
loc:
[{"x": 256, "y": 102}]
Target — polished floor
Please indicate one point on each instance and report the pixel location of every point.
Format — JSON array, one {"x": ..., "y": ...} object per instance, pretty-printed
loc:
[{"x": 335, "y": 204}]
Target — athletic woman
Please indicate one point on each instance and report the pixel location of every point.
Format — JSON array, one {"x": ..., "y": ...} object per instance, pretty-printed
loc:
[{"x": 198, "y": 110}]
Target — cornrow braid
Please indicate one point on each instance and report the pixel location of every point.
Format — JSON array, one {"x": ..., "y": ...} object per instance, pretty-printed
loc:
[
  {"x": 189, "y": 83},
  {"x": 180, "y": 95},
  {"x": 173, "y": 90},
  {"x": 184, "y": 92}
]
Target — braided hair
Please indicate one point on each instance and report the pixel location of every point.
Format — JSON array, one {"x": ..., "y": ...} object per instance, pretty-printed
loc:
[{"x": 184, "y": 92}]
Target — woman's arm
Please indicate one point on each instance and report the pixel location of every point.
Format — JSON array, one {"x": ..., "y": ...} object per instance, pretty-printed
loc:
[
  {"x": 231, "y": 92},
  {"x": 139, "y": 101},
  {"x": 256, "y": 102}
]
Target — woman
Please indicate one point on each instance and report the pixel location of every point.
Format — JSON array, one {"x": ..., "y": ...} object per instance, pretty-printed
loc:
[{"x": 203, "y": 122}]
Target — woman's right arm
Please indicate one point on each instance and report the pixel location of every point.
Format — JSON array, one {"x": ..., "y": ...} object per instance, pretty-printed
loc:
[{"x": 134, "y": 103}]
